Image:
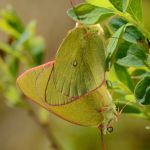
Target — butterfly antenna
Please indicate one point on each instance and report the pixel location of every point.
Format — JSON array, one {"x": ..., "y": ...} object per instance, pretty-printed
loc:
[
  {"x": 123, "y": 107},
  {"x": 118, "y": 113},
  {"x": 74, "y": 9}
]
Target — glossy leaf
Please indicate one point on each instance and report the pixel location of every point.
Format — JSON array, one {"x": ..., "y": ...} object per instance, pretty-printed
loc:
[
  {"x": 124, "y": 76},
  {"x": 101, "y": 3},
  {"x": 135, "y": 9},
  {"x": 89, "y": 14},
  {"x": 119, "y": 87},
  {"x": 112, "y": 45},
  {"x": 80, "y": 62},
  {"x": 116, "y": 22},
  {"x": 114, "y": 41},
  {"x": 121, "y": 5},
  {"x": 131, "y": 34},
  {"x": 136, "y": 56},
  {"x": 85, "y": 110},
  {"x": 142, "y": 91},
  {"x": 140, "y": 73},
  {"x": 122, "y": 49}
]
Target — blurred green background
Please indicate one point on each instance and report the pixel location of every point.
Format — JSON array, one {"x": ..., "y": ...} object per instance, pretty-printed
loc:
[{"x": 18, "y": 131}]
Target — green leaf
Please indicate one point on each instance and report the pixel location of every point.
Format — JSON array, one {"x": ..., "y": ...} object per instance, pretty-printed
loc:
[
  {"x": 119, "y": 88},
  {"x": 4, "y": 26},
  {"x": 122, "y": 49},
  {"x": 89, "y": 14},
  {"x": 112, "y": 45},
  {"x": 80, "y": 61},
  {"x": 9, "y": 15},
  {"x": 13, "y": 64},
  {"x": 131, "y": 61},
  {"x": 12, "y": 96},
  {"x": 33, "y": 45},
  {"x": 114, "y": 41},
  {"x": 83, "y": 111},
  {"x": 9, "y": 50},
  {"x": 142, "y": 91},
  {"x": 140, "y": 73},
  {"x": 136, "y": 56},
  {"x": 28, "y": 34},
  {"x": 101, "y": 3},
  {"x": 135, "y": 9},
  {"x": 131, "y": 34},
  {"x": 36, "y": 46},
  {"x": 5, "y": 73},
  {"x": 121, "y": 5},
  {"x": 116, "y": 22},
  {"x": 123, "y": 76}
]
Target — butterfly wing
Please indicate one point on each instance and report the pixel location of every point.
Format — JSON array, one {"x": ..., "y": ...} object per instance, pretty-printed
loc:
[
  {"x": 37, "y": 84},
  {"x": 84, "y": 111},
  {"x": 80, "y": 62}
]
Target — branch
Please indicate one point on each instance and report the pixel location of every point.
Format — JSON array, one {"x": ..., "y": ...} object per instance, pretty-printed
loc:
[{"x": 103, "y": 144}]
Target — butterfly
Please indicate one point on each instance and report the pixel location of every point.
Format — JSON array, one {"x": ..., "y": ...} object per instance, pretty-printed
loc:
[{"x": 73, "y": 86}]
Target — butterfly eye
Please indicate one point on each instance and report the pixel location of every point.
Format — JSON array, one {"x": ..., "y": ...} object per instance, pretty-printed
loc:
[{"x": 110, "y": 129}]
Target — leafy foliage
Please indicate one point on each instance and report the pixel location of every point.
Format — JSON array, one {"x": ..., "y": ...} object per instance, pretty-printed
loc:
[
  {"x": 142, "y": 91},
  {"x": 121, "y": 5},
  {"x": 131, "y": 33},
  {"x": 21, "y": 47},
  {"x": 135, "y": 9},
  {"x": 89, "y": 14},
  {"x": 136, "y": 56}
]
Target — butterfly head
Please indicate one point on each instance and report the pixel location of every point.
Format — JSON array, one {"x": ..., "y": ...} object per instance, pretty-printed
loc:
[{"x": 111, "y": 115}]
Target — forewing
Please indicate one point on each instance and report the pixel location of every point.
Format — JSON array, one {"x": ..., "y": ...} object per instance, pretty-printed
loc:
[{"x": 80, "y": 61}]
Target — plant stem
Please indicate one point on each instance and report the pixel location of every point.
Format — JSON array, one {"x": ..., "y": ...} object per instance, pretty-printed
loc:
[{"x": 103, "y": 144}]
